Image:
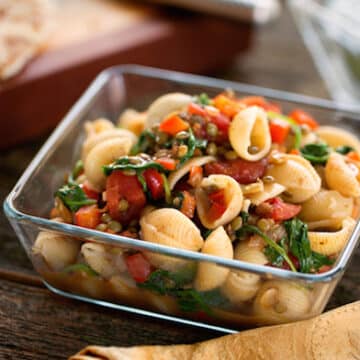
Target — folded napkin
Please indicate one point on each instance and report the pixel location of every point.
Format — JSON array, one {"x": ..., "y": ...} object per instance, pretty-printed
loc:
[{"x": 334, "y": 335}]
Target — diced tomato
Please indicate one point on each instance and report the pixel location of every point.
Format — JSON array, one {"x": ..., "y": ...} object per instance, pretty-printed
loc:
[
  {"x": 195, "y": 109},
  {"x": 279, "y": 130},
  {"x": 88, "y": 216},
  {"x": 173, "y": 124},
  {"x": 167, "y": 163},
  {"x": 353, "y": 155},
  {"x": 244, "y": 172},
  {"x": 278, "y": 210},
  {"x": 223, "y": 123},
  {"x": 155, "y": 183},
  {"x": 120, "y": 186},
  {"x": 294, "y": 152},
  {"x": 294, "y": 260},
  {"x": 217, "y": 204},
  {"x": 227, "y": 106},
  {"x": 138, "y": 267},
  {"x": 89, "y": 191},
  {"x": 196, "y": 176},
  {"x": 261, "y": 102},
  {"x": 188, "y": 204},
  {"x": 303, "y": 118},
  {"x": 324, "y": 268}
]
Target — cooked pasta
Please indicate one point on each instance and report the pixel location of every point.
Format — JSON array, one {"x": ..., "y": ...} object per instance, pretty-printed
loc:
[{"x": 229, "y": 178}]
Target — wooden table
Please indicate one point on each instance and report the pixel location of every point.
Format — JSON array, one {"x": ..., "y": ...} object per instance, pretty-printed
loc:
[{"x": 35, "y": 324}]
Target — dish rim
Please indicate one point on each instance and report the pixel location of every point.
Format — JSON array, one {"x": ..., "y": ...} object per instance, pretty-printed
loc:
[{"x": 85, "y": 102}]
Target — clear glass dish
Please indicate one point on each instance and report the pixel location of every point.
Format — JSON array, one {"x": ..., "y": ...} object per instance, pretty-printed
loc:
[
  {"x": 331, "y": 31},
  {"x": 29, "y": 204}
]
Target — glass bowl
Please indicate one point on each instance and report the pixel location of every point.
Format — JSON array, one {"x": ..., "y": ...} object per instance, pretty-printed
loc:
[
  {"x": 29, "y": 204},
  {"x": 331, "y": 31}
]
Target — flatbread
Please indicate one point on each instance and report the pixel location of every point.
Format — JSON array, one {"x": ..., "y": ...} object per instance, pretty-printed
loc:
[{"x": 24, "y": 25}]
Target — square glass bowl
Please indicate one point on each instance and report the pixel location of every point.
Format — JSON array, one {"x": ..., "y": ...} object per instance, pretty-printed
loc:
[{"x": 249, "y": 304}]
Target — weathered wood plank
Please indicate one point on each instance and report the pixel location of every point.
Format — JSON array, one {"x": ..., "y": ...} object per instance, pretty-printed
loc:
[{"x": 35, "y": 324}]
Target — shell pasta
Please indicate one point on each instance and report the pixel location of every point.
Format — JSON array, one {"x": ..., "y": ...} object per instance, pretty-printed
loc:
[{"x": 224, "y": 177}]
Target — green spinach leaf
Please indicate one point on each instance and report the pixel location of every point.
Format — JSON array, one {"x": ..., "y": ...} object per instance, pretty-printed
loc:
[
  {"x": 316, "y": 153},
  {"x": 345, "y": 149},
  {"x": 73, "y": 197},
  {"x": 203, "y": 99}
]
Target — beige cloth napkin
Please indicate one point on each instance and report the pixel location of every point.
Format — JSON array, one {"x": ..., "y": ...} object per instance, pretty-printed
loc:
[{"x": 334, "y": 335}]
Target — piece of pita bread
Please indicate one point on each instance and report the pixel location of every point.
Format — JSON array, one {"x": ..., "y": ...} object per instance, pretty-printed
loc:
[{"x": 24, "y": 25}]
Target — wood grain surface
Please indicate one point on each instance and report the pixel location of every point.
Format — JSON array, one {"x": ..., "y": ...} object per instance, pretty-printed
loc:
[{"x": 35, "y": 324}]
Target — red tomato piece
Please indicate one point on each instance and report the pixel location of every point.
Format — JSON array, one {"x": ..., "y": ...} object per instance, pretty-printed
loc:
[
  {"x": 303, "y": 118},
  {"x": 188, "y": 204},
  {"x": 195, "y": 109},
  {"x": 89, "y": 192},
  {"x": 324, "y": 268},
  {"x": 167, "y": 163},
  {"x": 138, "y": 267},
  {"x": 279, "y": 130},
  {"x": 223, "y": 123},
  {"x": 173, "y": 124},
  {"x": 217, "y": 204},
  {"x": 278, "y": 210},
  {"x": 244, "y": 172},
  {"x": 120, "y": 186},
  {"x": 261, "y": 102},
  {"x": 155, "y": 183},
  {"x": 88, "y": 216}
]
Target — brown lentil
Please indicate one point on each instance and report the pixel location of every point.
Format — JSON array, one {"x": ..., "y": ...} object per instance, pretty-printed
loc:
[
  {"x": 230, "y": 155},
  {"x": 106, "y": 218},
  {"x": 102, "y": 227},
  {"x": 182, "y": 151},
  {"x": 211, "y": 129},
  {"x": 268, "y": 179},
  {"x": 252, "y": 149},
  {"x": 162, "y": 137},
  {"x": 115, "y": 226},
  {"x": 123, "y": 205},
  {"x": 264, "y": 224},
  {"x": 211, "y": 149}
]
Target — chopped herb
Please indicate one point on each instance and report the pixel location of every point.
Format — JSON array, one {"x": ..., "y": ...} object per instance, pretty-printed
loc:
[
  {"x": 203, "y": 99},
  {"x": 73, "y": 197},
  {"x": 344, "y": 150},
  {"x": 124, "y": 163},
  {"x": 142, "y": 181},
  {"x": 273, "y": 256},
  {"x": 299, "y": 246},
  {"x": 78, "y": 168},
  {"x": 173, "y": 284},
  {"x": 192, "y": 143},
  {"x": 294, "y": 126},
  {"x": 244, "y": 216},
  {"x": 166, "y": 189},
  {"x": 80, "y": 267},
  {"x": 146, "y": 139},
  {"x": 270, "y": 242},
  {"x": 316, "y": 153}
]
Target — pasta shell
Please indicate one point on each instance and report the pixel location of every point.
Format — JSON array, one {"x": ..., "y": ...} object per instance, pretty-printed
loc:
[
  {"x": 96, "y": 139},
  {"x": 330, "y": 243},
  {"x": 105, "y": 260},
  {"x": 298, "y": 176},
  {"x": 280, "y": 301},
  {"x": 178, "y": 174},
  {"x": 250, "y": 127},
  {"x": 341, "y": 177},
  {"x": 125, "y": 289},
  {"x": 97, "y": 126},
  {"x": 329, "y": 205},
  {"x": 164, "y": 105},
  {"x": 233, "y": 199},
  {"x": 57, "y": 250},
  {"x": 133, "y": 121},
  {"x": 335, "y": 137},
  {"x": 172, "y": 228},
  {"x": 241, "y": 285},
  {"x": 309, "y": 138},
  {"x": 210, "y": 276},
  {"x": 270, "y": 191},
  {"x": 103, "y": 154},
  {"x": 162, "y": 303}
]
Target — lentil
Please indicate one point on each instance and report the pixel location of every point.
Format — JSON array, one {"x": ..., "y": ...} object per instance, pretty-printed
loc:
[
  {"x": 211, "y": 149},
  {"x": 230, "y": 155},
  {"x": 123, "y": 205},
  {"x": 237, "y": 223},
  {"x": 106, "y": 218},
  {"x": 115, "y": 226},
  {"x": 211, "y": 129}
]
